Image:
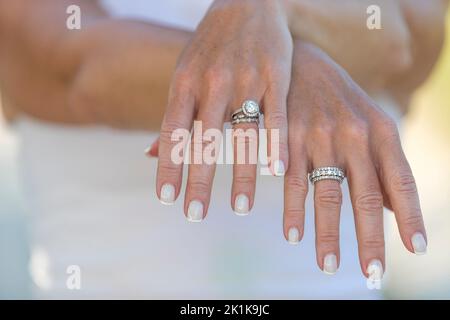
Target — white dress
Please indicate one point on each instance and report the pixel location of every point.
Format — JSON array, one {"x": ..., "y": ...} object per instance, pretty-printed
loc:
[{"x": 91, "y": 202}]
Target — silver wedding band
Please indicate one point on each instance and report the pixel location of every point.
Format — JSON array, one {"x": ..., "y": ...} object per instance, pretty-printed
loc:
[
  {"x": 249, "y": 112},
  {"x": 327, "y": 173}
]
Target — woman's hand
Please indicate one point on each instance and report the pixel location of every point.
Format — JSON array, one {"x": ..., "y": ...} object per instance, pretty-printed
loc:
[
  {"x": 242, "y": 50},
  {"x": 332, "y": 122}
]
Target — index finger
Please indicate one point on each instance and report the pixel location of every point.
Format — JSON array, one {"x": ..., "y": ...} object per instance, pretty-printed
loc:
[{"x": 179, "y": 115}]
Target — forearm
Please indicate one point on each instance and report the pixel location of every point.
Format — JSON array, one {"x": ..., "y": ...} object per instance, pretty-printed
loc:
[
  {"x": 31, "y": 63},
  {"x": 396, "y": 59},
  {"x": 127, "y": 82},
  {"x": 426, "y": 22},
  {"x": 111, "y": 72},
  {"x": 340, "y": 29}
]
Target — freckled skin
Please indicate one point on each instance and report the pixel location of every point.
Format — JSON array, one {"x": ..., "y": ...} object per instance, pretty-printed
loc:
[
  {"x": 340, "y": 125},
  {"x": 25, "y": 64},
  {"x": 242, "y": 50},
  {"x": 246, "y": 49}
]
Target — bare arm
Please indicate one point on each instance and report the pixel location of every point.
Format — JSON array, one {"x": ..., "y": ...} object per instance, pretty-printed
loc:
[
  {"x": 118, "y": 72},
  {"x": 426, "y": 22},
  {"x": 114, "y": 72},
  {"x": 397, "y": 58}
]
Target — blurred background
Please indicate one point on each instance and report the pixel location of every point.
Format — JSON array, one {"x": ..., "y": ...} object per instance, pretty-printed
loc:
[{"x": 426, "y": 138}]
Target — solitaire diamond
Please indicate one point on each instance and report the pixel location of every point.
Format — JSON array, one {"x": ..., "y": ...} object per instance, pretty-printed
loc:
[{"x": 250, "y": 108}]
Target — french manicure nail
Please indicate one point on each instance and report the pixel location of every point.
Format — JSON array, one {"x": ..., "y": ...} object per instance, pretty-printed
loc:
[
  {"x": 167, "y": 194},
  {"x": 278, "y": 168},
  {"x": 147, "y": 150},
  {"x": 241, "y": 205},
  {"x": 375, "y": 270},
  {"x": 293, "y": 236},
  {"x": 330, "y": 264},
  {"x": 195, "y": 211},
  {"x": 419, "y": 244}
]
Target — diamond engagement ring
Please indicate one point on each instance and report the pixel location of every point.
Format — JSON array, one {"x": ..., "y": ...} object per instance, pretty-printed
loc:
[
  {"x": 249, "y": 112},
  {"x": 327, "y": 173}
]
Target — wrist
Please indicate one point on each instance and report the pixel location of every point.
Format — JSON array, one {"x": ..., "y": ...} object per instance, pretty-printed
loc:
[
  {"x": 283, "y": 7},
  {"x": 304, "y": 19},
  {"x": 289, "y": 9}
]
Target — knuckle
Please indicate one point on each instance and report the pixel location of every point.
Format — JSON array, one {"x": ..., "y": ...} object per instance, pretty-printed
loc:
[
  {"x": 387, "y": 141},
  {"x": 199, "y": 186},
  {"x": 297, "y": 133},
  {"x": 297, "y": 185},
  {"x": 197, "y": 149},
  {"x": 294, "y": 214},
  {"x": 244, "y": 143},
  {"x": 251, "y": 138},
  {"x": 276, "y": 119},
  {"x": 413, "y": 221},
  {"x": 165, "y": 137},
  {"x": 370, "y": 202},
  {"x": 275, "y": 79},
  {"x": 328, "y": 237},
  {"x": 404, "y": 183},
  {"x": 294, "y": 139},
  {"x": 182, "y": 79},
  {"x": 358, "y": 131},
  {"x": 207, "y": 115},
  {"x": 217, "y": 77},
  {"x": 323, "y": 131},
  {"x": 248, "y": 76},
  {"x": 200, "y": 146},
  {"x": 389, "y": 131},
  {"x": 244, "y": 180},
  {"x": 244, "y": 140},
  {"x": 372, "y": 242},
  {"x": 168, "y": 129},
  {"x": 270, "y": 68},
  {"x": 329, "y": 198},
  {"x": 274, "y": 71},
  {"x": 171, "y": 124},
  {"x": 283, "y": 148},
  {"x": 167, "y": 169},
  {"x": 388, "y": 124}
]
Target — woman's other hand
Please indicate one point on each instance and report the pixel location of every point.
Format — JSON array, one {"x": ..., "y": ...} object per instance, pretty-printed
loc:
[{"x": 332, "y": 122}]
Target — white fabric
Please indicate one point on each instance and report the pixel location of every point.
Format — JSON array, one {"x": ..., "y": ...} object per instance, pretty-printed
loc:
[
  {"x": 92, "y": 203},
  {"x": 177, "y": 13}
]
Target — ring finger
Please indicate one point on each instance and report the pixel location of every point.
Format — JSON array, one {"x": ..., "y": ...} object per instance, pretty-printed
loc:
[{"x": 245, "y": 145}]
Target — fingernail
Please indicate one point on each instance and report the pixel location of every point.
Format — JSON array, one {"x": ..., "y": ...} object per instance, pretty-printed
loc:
[
  {"x": 375, "y": 270},
  {"x": 419, "y": 244},
  {"x": 241, "y": 205},
  {"x": 278, "y": 168},
  {"x": 330, "y": 264},
  {"x": 195, "y": 211},
  {"x": 167, "y": 194},
  {"x": 293, "y": 236},
  {"x": 147, "y": 150}
]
